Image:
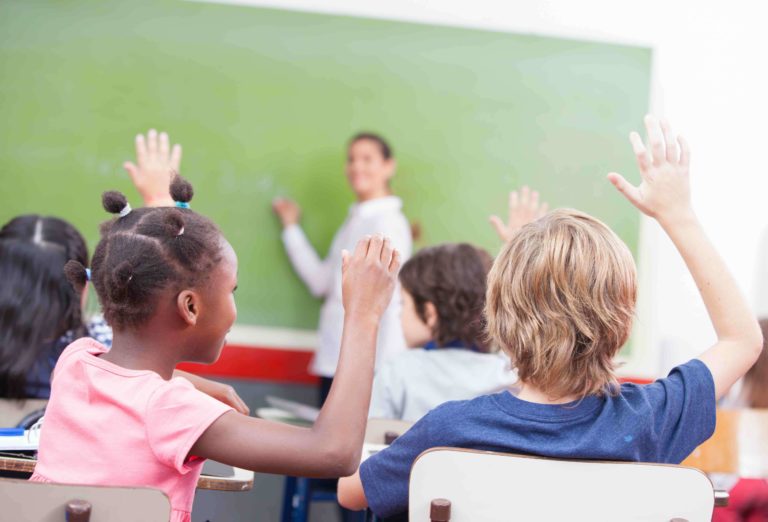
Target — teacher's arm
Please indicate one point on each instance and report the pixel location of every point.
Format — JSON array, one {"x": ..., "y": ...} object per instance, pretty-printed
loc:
[{"x": 315, "y": 272}]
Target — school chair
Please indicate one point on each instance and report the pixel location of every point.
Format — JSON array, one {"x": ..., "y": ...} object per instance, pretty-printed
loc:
[
  {"x": 13, "y": 412},
  {"x": 300, "y": 493},
  {"x": 457, "y": 485},
  {"x": 737, "y": 447},
  {"x": 24, "y": 500}
]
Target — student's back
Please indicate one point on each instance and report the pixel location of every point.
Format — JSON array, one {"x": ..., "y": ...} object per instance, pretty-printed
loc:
[
  {"x": 662, "y": 422},
  {"x": 418, "y": 380},
  {"x": 97, "y": 406},
  {"x": 561, "y": 299}
]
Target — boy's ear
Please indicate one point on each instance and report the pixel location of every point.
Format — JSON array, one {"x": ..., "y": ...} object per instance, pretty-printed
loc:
[
  {"x": 188, "y": 305},
  {"x": 430, "y": 314}
]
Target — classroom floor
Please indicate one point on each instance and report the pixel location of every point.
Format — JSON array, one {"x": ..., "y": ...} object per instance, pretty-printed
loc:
[{"x": 263, "y": 503}]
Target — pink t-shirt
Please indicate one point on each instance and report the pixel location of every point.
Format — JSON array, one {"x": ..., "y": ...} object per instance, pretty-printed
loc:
[{"x": 108, "y": 425}]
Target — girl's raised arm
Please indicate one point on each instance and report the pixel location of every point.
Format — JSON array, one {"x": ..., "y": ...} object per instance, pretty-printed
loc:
[{"x": 332, "y": 447}]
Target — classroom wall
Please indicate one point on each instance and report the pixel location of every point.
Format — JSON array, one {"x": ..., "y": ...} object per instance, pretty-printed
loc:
[{"x": 710, "y": 81}]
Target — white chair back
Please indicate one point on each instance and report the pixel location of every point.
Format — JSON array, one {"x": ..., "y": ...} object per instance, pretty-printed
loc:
[{"x": 492, "y": 487}]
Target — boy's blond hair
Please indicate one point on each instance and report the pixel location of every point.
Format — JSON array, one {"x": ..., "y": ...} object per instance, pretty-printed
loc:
[{"x": 561, "y": 298}]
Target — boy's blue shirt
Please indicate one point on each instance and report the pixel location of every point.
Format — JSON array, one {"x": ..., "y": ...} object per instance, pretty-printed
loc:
[{"x": 659, "y": 422}]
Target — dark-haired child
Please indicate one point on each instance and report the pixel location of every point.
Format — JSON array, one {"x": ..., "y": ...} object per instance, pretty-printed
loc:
[
  {"x": 560, "y": 302},
  {"x": 40, "y": 312},
  {"x": 166, "y": 279},
  {"x": 443, "y": 292}
]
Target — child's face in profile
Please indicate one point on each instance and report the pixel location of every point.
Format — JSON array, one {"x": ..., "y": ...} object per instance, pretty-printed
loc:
[
  {"x": 218, "y": 309},
  {"x": 416, "y": 331},
  {"x": 368, "y": 171}
]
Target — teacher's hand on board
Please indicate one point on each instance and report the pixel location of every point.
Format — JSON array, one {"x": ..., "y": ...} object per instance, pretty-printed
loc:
[
  {"x": 368, "y": 277},
  {"x": 524, "y": 208},
  {"x": 287, "y": 210},
  {"x": 156, "y": 163}
]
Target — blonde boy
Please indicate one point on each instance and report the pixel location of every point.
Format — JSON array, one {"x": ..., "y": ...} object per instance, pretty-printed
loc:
[{"x": 561, "y": 297}]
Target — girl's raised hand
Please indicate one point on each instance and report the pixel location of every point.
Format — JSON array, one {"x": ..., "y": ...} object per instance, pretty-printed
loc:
[
  {"x": 287, "y": 210},
  {"x": 524, "y": 207},
  {"x": 156, "y": 164},
  {"x": 368, "y": 276},
  {"x": 664, "y": 192}
]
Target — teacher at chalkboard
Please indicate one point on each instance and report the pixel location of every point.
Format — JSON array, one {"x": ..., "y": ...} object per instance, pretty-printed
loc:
[{"x": 370, "y": 167}]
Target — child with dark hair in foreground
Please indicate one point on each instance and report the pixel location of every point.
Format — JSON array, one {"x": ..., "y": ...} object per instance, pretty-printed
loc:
[
  {"x": 561, "y": 299},
  {"x": 40, "y": 313},
  {"x": 166, "y": 279}
]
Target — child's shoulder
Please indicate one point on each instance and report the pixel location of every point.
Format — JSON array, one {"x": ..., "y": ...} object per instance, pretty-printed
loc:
[
  {"x": 80, "y": 348},
  {"x": 692, "y": 376},
  {"x": 180, "y": 394}
]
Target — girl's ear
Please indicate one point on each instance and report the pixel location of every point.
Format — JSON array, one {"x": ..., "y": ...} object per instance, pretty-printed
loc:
[
  {"x": 430, "y": 314},
  {"x": 188, "y": 305}
]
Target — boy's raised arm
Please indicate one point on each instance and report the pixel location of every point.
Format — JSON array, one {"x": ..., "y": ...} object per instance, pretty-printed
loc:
[{"x": 664, "y": 194}]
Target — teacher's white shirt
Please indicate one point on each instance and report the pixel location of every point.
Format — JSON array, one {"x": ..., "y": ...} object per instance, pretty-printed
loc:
[{"x": 323, "y": 277}]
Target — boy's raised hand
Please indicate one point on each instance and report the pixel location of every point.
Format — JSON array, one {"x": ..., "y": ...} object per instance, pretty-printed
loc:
[
  {"x": 664, "y": 191},
  {"x": 156, "y": 164},
  {"x": 368, "y": 276},
  {"x": 524, "y": 207}
]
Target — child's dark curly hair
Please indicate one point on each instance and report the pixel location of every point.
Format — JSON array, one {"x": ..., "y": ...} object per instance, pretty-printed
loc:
[
  {"x": 453, "y": 278},
  {"x": 144, "y": 251}
]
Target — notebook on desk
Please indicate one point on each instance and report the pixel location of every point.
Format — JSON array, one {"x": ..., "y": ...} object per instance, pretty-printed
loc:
[{"x": 17, "y": 439}]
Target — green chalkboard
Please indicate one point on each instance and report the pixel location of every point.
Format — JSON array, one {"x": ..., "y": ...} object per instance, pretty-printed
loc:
[{"x": 263, "y": 102}]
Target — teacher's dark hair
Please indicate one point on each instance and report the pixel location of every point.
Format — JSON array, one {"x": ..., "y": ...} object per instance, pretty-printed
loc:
[
  {"x": 37, "y": 303},
  {"x": 386, "y": 149}
]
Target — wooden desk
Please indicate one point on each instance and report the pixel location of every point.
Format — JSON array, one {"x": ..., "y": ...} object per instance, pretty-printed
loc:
[{"x": 242, "y": 481}]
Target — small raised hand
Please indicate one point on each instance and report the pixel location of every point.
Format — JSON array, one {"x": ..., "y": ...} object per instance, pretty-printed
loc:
[
  {"x": 524, "y": 207},
  {"x": 664, "y": 192},
  {"x": 156, "y": 164}
]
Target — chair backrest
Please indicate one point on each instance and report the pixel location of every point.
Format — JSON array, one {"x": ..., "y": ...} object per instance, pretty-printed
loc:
[
  {"x": 738, "y": 445},
  {"x": 487, "y": 486},
  {"x": 24, "y": 500},
  {"x": 377, "y": 429},
  {"x": 12, "y": 411}
]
